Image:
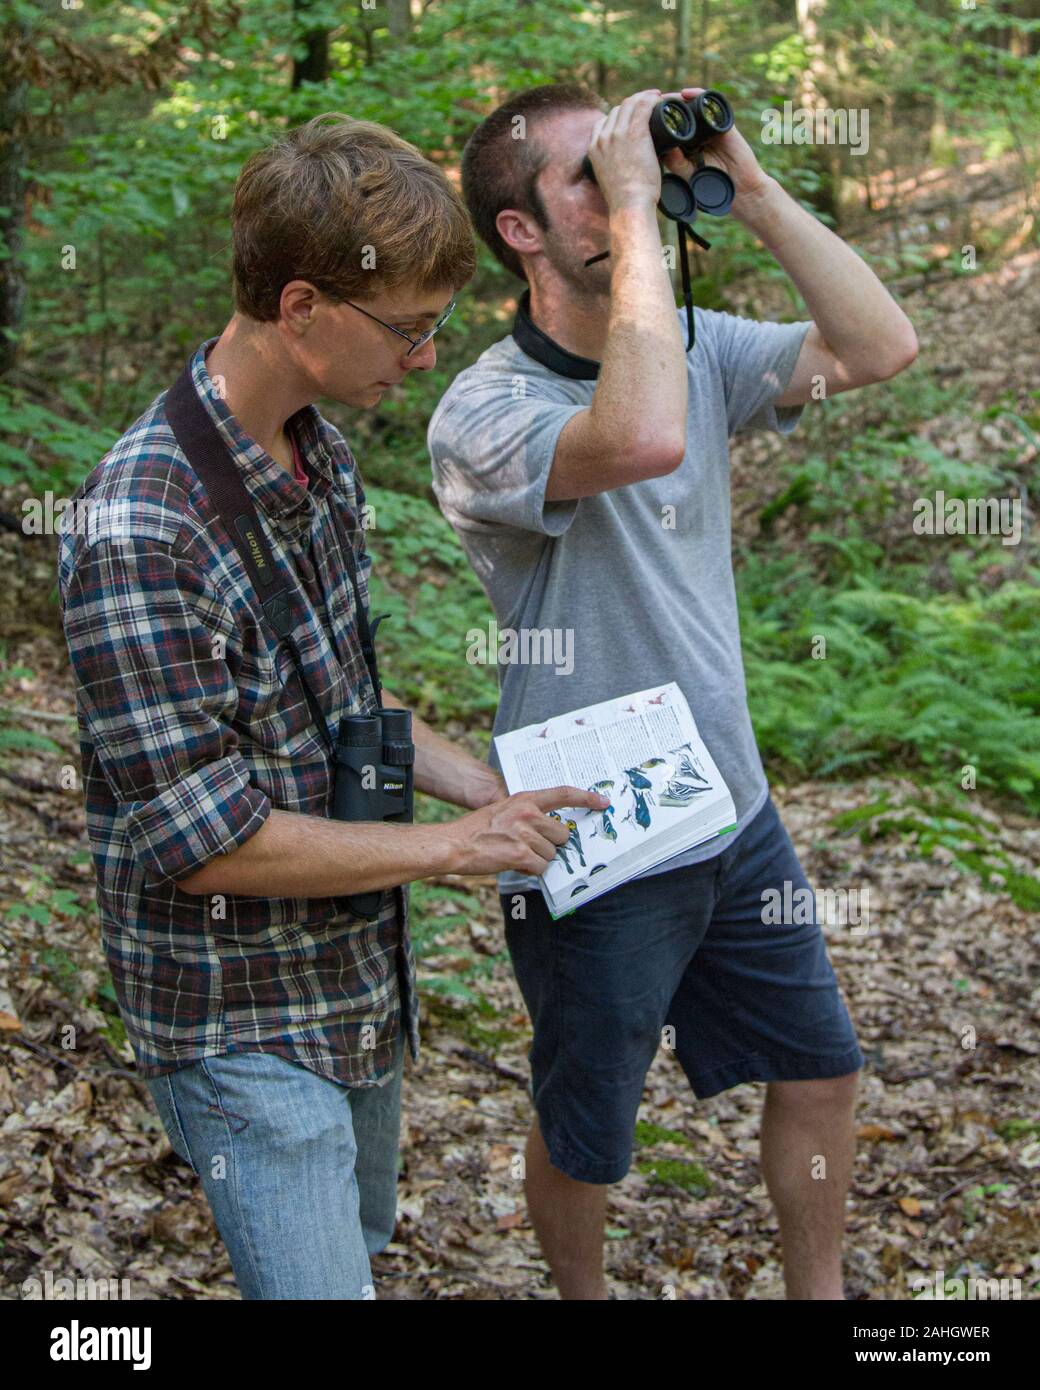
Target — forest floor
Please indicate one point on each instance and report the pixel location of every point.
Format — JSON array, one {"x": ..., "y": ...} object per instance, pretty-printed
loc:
[{"x": 943, "y": 989}]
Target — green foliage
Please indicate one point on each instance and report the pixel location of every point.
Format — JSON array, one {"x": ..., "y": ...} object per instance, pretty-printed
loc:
[
  {"x": 928, "y": 819},
  {"x": 892, "y": 690},
  {"x": 423, "y": 580},
  {"x": 869, "y": 646},
  {"x": 429, "y": 924},
  {"x": 63, "y": 970},
  {"x": 44, "y": 903},
  {"x": 128, "y": 258},
  {"x": 11, "y": 736},
  {"x": 43, "y": 449}
]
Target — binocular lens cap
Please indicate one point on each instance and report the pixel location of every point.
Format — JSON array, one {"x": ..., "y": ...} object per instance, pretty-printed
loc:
[
  {"x": 677, "y": 200},
  {"x": 713, "y": 190}
]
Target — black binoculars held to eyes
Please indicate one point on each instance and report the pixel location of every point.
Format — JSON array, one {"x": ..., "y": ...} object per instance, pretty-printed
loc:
[{"x": 689, "y": 126}]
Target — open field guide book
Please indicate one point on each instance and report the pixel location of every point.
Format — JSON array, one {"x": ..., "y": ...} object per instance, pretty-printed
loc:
[{"x": 644, "y": 752}]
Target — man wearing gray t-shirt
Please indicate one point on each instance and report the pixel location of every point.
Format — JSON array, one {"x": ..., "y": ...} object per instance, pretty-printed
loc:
[{"x": 583, "y": 462}]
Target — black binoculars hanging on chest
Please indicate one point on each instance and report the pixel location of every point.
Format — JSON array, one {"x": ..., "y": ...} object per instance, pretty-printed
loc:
[{"x": 375, "y": 759}]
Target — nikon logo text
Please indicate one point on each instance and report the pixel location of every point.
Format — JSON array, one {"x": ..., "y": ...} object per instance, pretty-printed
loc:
[
  {"x": 248, "y": 534},
  {"x": 254, "y": 550}
]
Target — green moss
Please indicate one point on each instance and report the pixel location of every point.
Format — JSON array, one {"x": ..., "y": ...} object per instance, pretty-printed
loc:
[
  {"x": 1023, "y": 889},
  {"x": 115, "y": 1034},
  {"x": 675, "y": 1172},
  {"x": 647, "y": 1134},
  {"x": 1018, "y": 1129},
  {"x": 464, "y": 1020}
]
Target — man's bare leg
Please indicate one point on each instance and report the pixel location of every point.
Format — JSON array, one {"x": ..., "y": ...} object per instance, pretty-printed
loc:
[
  {"x": 802, "y": 1123},
  {"x": 569, "y": 1219}
]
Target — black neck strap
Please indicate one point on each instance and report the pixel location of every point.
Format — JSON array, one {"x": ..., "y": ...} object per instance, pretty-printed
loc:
[{"x": 530, "y": 338}]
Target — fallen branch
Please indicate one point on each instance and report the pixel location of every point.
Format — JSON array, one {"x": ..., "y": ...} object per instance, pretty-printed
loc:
[
  {"x": 45, "y": 715},
  {"x": 55, "y": 826},
  {"x": 482, "y": 1060},
  {"x": 27, "y": 784},
  {"x": 78, "y": 1067}
]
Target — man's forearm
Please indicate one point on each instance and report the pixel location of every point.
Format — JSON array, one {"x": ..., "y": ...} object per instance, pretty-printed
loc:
[
  {"x": 296, "y": 856},
  {"x": 644, "y": 358},
  {"x": 860, "y": 321},
  {"x": 448, "y": 772}
]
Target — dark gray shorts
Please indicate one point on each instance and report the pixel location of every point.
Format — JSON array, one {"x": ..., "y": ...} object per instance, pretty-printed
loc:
[{"x": 686, "y": 949}]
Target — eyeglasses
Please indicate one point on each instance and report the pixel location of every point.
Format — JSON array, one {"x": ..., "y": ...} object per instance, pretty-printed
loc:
[{"x": 415, "y": 342}]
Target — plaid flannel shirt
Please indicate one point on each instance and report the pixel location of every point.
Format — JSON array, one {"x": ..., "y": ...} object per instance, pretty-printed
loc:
[{"x": 193, "y": 725}]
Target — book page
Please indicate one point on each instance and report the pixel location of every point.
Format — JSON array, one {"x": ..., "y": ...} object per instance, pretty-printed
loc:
[{"x": 644, "y": 752}]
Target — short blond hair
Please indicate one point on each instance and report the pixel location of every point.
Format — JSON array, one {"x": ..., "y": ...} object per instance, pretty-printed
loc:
[{"x": 351, "y": 208}]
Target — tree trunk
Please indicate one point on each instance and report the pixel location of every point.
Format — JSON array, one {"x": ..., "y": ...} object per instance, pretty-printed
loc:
[
  {"x": 314, "y": 65},
  {"x": 398, "y": 17},
  {"x": 826, "y": 159},
  {"x": 683, "y": 20},
  {"x": 13, "y": 110}
]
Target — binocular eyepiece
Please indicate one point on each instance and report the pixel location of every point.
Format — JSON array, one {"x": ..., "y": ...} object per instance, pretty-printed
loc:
[
  {"x": 374, "y": 756},
  {"x": 689, "y": 126}
]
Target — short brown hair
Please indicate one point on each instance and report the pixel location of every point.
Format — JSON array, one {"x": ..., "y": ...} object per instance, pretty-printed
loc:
[
  {"x": 500, "y": 169},
  {"x": 350, "y": 207}
]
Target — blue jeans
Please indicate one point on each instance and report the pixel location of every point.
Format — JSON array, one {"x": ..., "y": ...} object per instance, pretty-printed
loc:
[{"x": 300, "y": 1172}]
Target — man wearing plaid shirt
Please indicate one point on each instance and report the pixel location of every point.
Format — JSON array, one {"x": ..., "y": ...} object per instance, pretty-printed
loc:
[{"x": 267, "y": 1018}]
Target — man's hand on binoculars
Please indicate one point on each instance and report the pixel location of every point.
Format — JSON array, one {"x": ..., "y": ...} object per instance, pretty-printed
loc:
[
  {"x": 729, "y": 151},
  {"x": 516, "y": 833},
  {"x": 622, "y": 154}
]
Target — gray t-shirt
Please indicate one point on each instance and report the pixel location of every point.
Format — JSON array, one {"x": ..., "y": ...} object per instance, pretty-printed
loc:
[{"x": 629, "y": 588}]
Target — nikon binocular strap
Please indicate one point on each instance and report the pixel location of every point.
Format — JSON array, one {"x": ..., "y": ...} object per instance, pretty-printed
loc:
[{"x": 208, "y": 455}]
